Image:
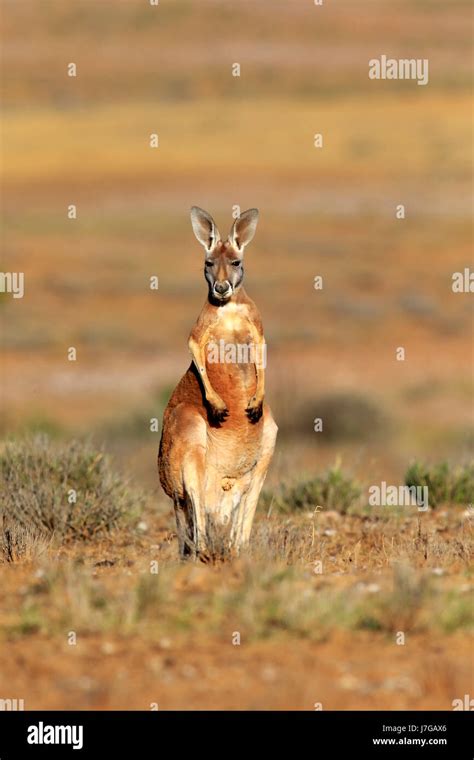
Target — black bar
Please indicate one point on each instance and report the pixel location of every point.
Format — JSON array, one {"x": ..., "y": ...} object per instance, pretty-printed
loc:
[{"x": 136, "y": 734}]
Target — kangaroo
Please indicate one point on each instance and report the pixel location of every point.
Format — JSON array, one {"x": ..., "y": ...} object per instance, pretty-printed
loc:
[{"x": 218, "y": 435}]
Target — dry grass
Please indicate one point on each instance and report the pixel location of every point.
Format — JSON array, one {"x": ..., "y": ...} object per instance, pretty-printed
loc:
[
  {"x": 20, "y": 543},
  {"x": 65, "y": 490},
  {"x": 304, "y": 577},
  {"x": 350, "y": 583}
]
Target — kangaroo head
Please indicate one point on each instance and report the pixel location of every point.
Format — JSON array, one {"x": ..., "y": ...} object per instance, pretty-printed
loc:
[{"x": 223, "y": 264}]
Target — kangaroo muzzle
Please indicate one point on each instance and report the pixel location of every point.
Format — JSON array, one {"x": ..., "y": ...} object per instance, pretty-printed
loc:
[{"x": 222, "y": 289}]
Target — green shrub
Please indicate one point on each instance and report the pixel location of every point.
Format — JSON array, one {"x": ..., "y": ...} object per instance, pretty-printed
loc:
[
  {"x": 332, "y": 490},
  {"x": 37, "y": 481},
  {"x": 446, "y": 485}
]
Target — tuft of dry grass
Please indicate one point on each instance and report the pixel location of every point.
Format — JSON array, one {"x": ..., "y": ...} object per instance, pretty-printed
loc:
[
  {"x": 68, "y": 490},
  {"x": 20, "y": 543}
]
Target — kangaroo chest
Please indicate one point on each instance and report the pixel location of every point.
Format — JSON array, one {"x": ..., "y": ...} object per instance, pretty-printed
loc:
[
  {"x": 231, "y": 354},
  {"x": 232, "y": 323}
]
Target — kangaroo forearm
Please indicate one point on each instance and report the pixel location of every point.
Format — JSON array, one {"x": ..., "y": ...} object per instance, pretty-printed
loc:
[
  {"x": 199, "y": 360},
  {"x": 260, "y": 390}
]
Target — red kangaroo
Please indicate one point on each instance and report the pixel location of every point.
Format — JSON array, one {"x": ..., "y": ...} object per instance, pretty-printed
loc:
[{"x": 218, "y": 434}]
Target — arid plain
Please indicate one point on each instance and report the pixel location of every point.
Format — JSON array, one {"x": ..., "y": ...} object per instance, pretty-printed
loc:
[{"x": 309, "y": 634}]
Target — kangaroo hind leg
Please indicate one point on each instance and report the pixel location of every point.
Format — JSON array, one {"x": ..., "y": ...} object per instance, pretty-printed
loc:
[
  {"x": 248, "y": 505},
  {"x": 188, "y": 459}
]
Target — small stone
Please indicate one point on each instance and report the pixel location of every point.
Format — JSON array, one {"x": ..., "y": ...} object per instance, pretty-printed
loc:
[{"x": 373, "y": 588}]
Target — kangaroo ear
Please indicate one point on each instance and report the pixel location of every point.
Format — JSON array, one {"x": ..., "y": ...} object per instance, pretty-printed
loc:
[
  {"x": 204, "y": 228},
  {"x": 243, "y": 229}
]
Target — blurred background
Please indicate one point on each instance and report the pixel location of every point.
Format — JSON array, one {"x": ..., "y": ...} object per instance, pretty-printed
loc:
[{"x": 246, "y": 141}]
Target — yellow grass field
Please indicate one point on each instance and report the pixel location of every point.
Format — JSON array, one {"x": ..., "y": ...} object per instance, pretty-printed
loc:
[{"x": 273, "y": 138}]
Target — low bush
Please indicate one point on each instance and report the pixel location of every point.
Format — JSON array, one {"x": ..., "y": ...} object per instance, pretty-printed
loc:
[
  {"x": 68, "y": 490},
  {"x": 446, "y": 485},
  {"x": 331, "y": 490}
]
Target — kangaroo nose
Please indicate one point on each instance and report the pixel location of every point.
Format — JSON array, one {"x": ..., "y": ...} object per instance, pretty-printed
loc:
[{"x": 222, "y": 287}]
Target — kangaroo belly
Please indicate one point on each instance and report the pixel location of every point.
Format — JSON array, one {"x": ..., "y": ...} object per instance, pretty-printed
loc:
[
  {"x": 235, "y": 384},
  {"x": 234, "y": 449}
]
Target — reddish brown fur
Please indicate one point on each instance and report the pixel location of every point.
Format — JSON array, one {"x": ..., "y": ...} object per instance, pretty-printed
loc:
[
  {"x": 235, "y": 384},
  {"x": 218, "y": 435}
]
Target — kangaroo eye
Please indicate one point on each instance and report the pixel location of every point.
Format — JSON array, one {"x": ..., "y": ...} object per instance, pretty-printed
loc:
[
  {"x": 209, "y": 263},
  {"x": 236, "y": 263}
]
